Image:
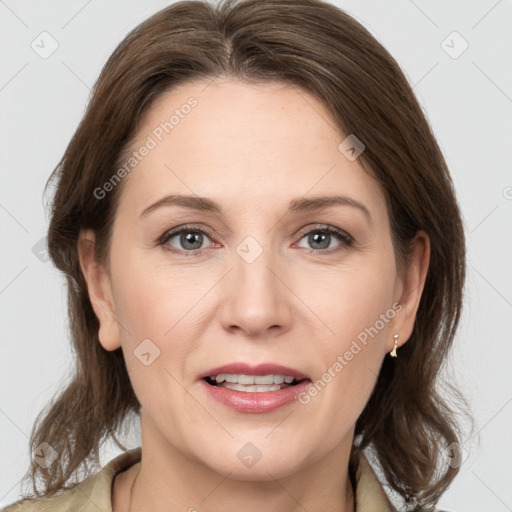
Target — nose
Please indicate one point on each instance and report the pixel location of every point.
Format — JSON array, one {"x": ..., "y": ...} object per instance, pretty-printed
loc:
[{"x": 258, "y": 301}]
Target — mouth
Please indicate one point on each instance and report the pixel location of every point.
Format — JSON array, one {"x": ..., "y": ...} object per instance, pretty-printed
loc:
[
  {"x": 253, "y": 383},
  {"x": 261, "y": 389},
  {"x": 260, "y": 378}
]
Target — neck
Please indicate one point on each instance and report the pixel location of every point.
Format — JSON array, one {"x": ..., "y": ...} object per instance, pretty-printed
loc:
[{"x": 166, "y": 479}]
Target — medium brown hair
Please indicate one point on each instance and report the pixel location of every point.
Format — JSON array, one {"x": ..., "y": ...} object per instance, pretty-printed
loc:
[{"x": 319, "y": 48}]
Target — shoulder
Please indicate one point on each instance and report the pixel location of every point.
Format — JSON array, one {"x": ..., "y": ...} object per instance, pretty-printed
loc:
[
  {"x": 370, "y": 493},
  {"x": 93, "y": 493}
]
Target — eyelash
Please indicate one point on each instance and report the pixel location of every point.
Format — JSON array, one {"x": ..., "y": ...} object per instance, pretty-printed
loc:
[{"x": 342, "y": 236}]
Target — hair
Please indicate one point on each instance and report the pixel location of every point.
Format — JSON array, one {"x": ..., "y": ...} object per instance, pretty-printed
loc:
[{"x": 315, "y": 46}]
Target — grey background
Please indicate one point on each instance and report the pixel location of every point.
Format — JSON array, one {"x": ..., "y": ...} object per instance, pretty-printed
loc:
[{"x": 468, "y": 101}]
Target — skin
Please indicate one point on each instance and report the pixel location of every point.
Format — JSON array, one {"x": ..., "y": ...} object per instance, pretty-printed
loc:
[{"x": 252, "y": 149}]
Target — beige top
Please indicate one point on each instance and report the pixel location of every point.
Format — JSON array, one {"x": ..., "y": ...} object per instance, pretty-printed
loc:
[{"x": 94, "y": 494}]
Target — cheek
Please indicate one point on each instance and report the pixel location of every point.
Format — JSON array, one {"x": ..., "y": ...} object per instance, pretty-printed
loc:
[
  {"x": 151, "y": 296},
  {"x": 351, "y": 299},
  {"x": 154, "y": 305},
  {"x": 359, "y": 313},
  {"x": 146, "y": 304}
]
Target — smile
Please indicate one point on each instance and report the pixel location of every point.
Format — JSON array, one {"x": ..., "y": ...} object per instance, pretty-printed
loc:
[
  {"x": 249, "y": 388},
  {"x": 252, "y": 383}
]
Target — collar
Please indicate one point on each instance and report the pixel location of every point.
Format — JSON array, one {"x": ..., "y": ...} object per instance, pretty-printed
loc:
[{"x": 95, "y": 492}]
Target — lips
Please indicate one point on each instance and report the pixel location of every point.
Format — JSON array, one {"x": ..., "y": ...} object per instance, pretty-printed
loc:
[{"x": 260, "y": 388}]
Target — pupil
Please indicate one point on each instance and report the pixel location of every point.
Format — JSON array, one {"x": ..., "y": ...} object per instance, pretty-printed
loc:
[
  {"x": 189, "y": 238},
  {"x": 313, "y": 237}
]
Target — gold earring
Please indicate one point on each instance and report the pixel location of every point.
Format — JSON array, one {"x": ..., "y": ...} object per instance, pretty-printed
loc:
[{"x": 393, "y": 352}]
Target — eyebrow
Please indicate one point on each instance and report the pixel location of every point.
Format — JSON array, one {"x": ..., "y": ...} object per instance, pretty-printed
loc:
[{"x": 301, "y": 204}]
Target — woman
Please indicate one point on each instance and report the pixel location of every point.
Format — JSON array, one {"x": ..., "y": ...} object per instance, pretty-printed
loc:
[{"x": 267, "y": 371}]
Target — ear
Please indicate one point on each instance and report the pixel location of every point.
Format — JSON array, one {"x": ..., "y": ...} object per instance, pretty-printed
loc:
[
  {"x": 100, "y": 291},
  {"x": 409, "y": 287}
]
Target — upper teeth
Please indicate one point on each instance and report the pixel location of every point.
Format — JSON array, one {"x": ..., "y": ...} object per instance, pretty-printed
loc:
[{"x": 252, "y": 379}]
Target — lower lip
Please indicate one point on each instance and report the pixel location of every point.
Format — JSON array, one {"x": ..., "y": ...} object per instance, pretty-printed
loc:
[{"x": 258, "y": 402}]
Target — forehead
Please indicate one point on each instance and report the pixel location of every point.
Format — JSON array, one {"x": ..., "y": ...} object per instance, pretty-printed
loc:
[{"x": 242, "y": 144}]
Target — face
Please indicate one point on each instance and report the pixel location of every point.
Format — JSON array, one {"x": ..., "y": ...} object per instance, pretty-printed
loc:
[{"x": 265, "y": 278}]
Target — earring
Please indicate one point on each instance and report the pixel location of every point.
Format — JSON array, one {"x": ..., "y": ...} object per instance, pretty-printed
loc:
[{"x": 393, "y": 352}]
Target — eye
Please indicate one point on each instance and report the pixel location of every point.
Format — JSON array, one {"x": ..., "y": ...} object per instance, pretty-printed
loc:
[
  {"x": 320, "y": 239},
  {"x": 190, "y": 238}
]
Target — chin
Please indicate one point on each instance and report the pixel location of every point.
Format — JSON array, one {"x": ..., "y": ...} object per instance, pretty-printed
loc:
[
  {"x": 267, "y": 470},
  {"x": 257, "y": 460}
]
